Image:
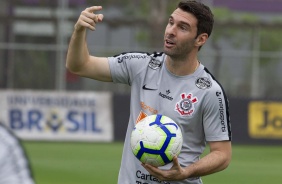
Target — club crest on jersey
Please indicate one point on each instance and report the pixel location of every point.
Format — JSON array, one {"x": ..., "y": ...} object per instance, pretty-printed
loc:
[
  {"x": 185, "y": 107},
  {"x": 203, "y": 83},
  {"x": 155, "y": 64}
]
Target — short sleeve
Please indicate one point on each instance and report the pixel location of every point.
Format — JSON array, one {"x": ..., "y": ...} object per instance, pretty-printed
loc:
[
  {"x": 126, "y": 66},
  {"x": 216, "y": 120}
]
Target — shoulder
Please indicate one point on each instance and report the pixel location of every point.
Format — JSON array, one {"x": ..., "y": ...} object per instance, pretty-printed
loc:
[
  {"x": 127, "y": 56},
  {"x": 206, "y": 81},
  {"x": 212, "y": 88},
  {"x": 154, "y": 54}
]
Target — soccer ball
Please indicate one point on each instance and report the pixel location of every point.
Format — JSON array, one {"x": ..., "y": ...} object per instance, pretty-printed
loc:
[{"x": 156, "y": 139}]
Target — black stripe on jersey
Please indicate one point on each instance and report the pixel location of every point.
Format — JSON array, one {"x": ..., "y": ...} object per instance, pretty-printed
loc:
[
  {"x": 226, "y": 102},
  {"x": 154, "y": 54},
  {"x": 136, "y": 52},
  {"x": 157, "y": 54}
]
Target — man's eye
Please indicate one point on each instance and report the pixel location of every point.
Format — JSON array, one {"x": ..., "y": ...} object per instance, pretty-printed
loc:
[{"x": 183, "y": 28}]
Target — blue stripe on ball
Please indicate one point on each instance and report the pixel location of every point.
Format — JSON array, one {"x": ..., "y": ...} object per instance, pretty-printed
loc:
[{"x": 160, "y": 152}]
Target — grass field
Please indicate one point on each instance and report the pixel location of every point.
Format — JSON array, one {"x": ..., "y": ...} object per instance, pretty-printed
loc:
[{"x": 98, "y": 163}]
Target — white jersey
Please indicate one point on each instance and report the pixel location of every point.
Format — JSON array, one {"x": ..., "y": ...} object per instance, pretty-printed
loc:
[
  {"x": 196, "y": 102},
  {"x": 14, "y": 166}
]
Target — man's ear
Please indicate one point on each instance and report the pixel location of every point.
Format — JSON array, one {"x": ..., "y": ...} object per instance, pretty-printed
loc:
[{"x": 201, "y": 39}]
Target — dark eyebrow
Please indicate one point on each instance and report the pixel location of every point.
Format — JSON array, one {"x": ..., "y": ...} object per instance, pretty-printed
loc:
[{"x": 181, "y": 22}]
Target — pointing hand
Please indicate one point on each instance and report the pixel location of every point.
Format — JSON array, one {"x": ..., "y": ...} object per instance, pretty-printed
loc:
[{"x": 88, "y": 18}]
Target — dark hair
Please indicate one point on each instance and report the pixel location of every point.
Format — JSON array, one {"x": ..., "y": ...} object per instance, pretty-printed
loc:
[{"x": 203, "y": 14}]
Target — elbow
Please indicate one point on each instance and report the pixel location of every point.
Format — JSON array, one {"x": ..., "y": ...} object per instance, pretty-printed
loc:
[
  {"x": 71, "y": 67},
  {"x": 68, "y": 67},
  {"x": 72, "y": 63},
  {"x": 76, "y": 65},
  {"x": 227, "y": 161},
  {"x": 226, "y": 164}
]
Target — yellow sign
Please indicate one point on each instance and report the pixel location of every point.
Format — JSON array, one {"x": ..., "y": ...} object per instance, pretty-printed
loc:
[{"x": 265, "y": 120}]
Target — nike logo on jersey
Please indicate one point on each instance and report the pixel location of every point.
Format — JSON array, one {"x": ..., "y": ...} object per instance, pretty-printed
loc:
[{"x": 145, "y": 88}]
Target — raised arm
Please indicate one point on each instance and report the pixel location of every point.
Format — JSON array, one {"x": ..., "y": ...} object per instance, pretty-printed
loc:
[{"x": 79, "y": 61}]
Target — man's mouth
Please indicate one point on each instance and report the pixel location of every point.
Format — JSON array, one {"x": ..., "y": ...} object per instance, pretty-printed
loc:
[{"x": 169, "y": 42}]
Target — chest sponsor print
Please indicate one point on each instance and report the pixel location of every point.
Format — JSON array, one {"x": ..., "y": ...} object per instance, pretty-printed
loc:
[{"x": 185, "y": 107}]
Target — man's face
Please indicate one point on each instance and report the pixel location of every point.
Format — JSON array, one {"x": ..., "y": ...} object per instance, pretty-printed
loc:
[{"x": 180, "y": 34}]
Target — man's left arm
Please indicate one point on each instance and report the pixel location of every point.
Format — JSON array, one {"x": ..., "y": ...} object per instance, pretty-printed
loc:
[{"x": 216, "y": 160}]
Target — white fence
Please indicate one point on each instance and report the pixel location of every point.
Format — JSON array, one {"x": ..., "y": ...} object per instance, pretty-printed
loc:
[
  {"x": 35, "y": 66},
  {"x": 34, "y": 41}
]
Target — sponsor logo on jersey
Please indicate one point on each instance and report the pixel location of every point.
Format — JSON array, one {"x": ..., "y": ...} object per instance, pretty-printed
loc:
[
  {"x": 185, "y": 107},
  {"x": 155, "y": 64},
  {"x": 141, "y": 116},
  {"x": 166, "y": 95},
  {"x": 129, "y": 57},
  {"x": 203, "y": 83},
  {"x": 146, "y": 88},
  {"x": 144, "y": 177},
  {"x": 221, "y": 111},
  {"x": 146, "y": 107}
]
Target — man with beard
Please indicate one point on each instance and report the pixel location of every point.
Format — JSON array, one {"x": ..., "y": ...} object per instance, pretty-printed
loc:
[{"x": 172, "y": 83}]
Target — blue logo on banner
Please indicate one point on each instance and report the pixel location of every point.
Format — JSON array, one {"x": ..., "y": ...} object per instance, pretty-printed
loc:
[{"x": 33, "y": 119}]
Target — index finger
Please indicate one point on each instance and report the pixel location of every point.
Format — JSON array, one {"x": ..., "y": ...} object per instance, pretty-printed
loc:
[{"x": 94, "y": 8}]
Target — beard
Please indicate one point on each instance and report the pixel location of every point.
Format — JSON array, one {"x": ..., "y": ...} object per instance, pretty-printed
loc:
[{"x": 180, "y": 50}]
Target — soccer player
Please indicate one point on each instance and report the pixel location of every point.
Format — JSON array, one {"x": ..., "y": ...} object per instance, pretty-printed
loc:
[
  {"x": 172, "y": 83},
  {"x": 14, "y": 165}
]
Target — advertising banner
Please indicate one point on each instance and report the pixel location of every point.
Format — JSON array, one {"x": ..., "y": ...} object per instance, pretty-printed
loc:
[
  {"x": 265, "y": 120},
  {"x": 58, "y": 116},
  {"x": 252, "y": 121}
]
